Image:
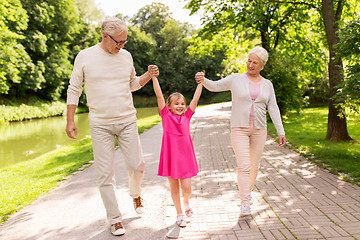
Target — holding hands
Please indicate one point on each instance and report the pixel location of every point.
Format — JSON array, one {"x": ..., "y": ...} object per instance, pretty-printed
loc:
[
  {"x": 153, "y": 70},
  {"x": 199, "y": 77}
]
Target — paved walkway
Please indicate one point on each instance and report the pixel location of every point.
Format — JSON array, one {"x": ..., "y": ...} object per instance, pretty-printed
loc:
[{"x": 294, "y": 199}]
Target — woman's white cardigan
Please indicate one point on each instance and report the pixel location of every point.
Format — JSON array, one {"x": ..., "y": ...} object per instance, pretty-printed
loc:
[{"x": 238, "y": 84}]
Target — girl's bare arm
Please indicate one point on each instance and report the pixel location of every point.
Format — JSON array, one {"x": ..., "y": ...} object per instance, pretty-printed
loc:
[
  {"x": 196, "y": 97},
  {"x": 159, "y": 96}
]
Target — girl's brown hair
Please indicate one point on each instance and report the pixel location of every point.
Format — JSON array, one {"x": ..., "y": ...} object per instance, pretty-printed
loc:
[{"x": 173, "y": 96}]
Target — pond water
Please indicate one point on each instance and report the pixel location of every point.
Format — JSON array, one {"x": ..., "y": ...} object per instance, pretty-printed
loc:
[{"x": 23, "y": 141}]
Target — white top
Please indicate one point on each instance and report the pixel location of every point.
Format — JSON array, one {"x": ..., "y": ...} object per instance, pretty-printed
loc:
[
  {"x": 109, "y": 80},
  {"x": 238, "y": 84}
]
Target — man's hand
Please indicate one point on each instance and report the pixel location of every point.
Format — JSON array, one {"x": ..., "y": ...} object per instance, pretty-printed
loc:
[
  {"x": 153, "y": 70},
  {"x": 199, "y": 77},
  {"x": 71, "y": 129},
  {"x": 282, "y": 140}
]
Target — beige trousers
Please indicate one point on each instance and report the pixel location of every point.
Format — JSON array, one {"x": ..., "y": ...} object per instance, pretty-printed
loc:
[
  {"x": 103, "y": 140},
  {"x": 248, "y": 145}
]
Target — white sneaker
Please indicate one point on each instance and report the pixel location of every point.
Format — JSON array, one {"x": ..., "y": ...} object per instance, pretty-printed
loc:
[
  {"x": 117, "y": 229},
  {"x": 138, "y": 206},
  {"x": 244, "y": 210}
]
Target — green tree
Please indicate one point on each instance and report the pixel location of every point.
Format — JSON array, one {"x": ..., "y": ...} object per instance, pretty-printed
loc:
[
  {"x": 88, "y": 12},
  {"x": 272, "y": 20},
  {"x": 268, "y": 21},
  {"x": 171, "y": 57},
  {"x": 349, "y": 90},
  {"x": 142, "y": 48},
  {"x": 12, "y": 54},
  {"x": 87, "y": 28},
  {"x": 306, "y": 48},
  {"x": 284, "y": 81},
  {"x": 152, "y": 18},
  {"x": 86, "y": 35},
  {"x": 170, "y": 45},
  {"x": 332, "y": 15},
  {"x": 178, "y": 66},
  {"x": 230, "y": 42},
  {"x": 39, "y": 40},
  {"x": 269, "y": 18},
  {"x": 48, "y": 36}
]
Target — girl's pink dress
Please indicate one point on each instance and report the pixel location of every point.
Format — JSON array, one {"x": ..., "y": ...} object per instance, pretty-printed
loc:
[{"x": 177, "y": 157}]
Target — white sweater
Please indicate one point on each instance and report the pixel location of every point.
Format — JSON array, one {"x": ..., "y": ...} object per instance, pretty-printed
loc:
[
  {"x": 238, "y": 84},
  {"x": 109, "y": 80}
]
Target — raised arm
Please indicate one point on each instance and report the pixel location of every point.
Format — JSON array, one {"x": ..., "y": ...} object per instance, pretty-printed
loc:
[
  {"x": 159, "y": 96},
  {"x": 152, "y": 71},
  {"x": 195, "y": 100},
  {"x": 214, "y": 86}
]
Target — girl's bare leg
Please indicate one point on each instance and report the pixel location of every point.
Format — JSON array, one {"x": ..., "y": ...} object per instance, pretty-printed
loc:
[
  {"x": 175, "y": 193},
  {"x": 186, "y": 189}
]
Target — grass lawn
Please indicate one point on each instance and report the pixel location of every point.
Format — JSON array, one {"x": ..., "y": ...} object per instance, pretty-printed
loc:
[
  {"x": 306, "y": 134},
  {"x": 147, "y": 118},
  {"x": 24, "y": 182}
]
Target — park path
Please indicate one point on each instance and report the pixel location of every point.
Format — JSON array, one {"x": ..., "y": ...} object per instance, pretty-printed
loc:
[{"x": 293, "y": 198}]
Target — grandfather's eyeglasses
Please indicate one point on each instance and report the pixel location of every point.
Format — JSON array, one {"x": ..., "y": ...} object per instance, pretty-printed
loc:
[{"x": 120, "y": 42}]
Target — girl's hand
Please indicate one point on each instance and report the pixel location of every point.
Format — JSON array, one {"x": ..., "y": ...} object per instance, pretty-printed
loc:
[{"x": 199, "y": 77}]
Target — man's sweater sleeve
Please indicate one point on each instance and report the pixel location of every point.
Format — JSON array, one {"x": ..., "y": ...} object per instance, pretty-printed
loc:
[
  {"x": 134, "y": 81},
  {"x": 76, "y": 82}
]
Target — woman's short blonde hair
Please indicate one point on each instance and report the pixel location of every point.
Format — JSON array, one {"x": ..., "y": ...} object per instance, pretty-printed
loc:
[
  {"x": 261, "y": 53},
  {"x": 109, "y": 25},
  {"x": 173, "y": 96}
]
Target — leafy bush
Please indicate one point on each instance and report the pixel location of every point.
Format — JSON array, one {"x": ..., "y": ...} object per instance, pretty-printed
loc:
[
  {"x": 350, "y": 50},
  {"x": 283, "y": 73}
]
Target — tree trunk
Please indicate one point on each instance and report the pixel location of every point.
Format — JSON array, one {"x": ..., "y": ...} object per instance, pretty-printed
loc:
[{"x": 336, "y": 128}]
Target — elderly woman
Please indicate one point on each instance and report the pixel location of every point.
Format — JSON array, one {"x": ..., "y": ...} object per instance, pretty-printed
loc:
[{"x": 252, "y": 95}]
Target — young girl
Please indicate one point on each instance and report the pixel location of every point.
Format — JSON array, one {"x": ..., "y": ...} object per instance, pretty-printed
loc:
[{"x": 177, "y": 157}]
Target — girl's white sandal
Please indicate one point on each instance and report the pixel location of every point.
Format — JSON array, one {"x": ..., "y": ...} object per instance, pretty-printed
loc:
[
  {"x": 188, "y": 210},
  {"x": 180, "y": 220}
]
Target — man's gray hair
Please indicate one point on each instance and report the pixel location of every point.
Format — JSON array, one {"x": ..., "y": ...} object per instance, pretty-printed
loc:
[
  {"x": 111, "y": 24},
  {"x": 261, "y": 53}
]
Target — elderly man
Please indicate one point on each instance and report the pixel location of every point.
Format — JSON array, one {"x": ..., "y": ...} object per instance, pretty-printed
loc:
[{"x": 109, "y": 77}]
